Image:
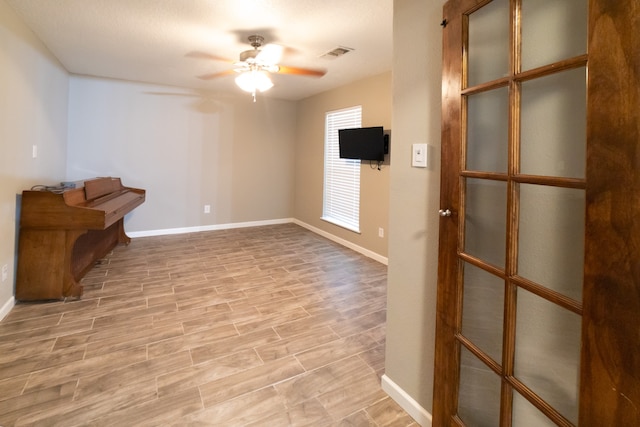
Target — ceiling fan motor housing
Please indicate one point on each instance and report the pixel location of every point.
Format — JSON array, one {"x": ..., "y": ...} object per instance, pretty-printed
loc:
[
  {"x": 249, "y": 54},
  {"x": 256, "y": 41}
]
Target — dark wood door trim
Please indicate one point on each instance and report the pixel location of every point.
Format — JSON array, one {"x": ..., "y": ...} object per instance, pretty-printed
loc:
[
  {"x": 446, "y": 348},
  {"x": 610, "y": 364}
]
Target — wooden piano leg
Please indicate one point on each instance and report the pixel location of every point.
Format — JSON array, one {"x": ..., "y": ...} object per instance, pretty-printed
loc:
[
  {"x": 122, "y": 236},
  {"x": 70, "y": 287}
]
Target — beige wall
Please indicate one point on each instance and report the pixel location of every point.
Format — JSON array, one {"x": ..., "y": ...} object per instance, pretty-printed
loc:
[
  {"x": 374, "y": 94},
  {"x": 187, "y": 149},
  {"x": 33, "y": 111},
  {"x": 413, "y": 200}
]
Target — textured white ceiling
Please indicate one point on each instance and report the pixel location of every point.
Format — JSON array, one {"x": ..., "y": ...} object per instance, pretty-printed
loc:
[{"x": 147, "y": 40}]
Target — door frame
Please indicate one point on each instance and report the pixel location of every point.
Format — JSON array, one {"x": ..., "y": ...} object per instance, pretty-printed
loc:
[{"x": 610, "y": 364}]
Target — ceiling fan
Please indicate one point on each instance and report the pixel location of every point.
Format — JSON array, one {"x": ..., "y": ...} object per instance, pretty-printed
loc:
[{"x": 255, "y": 65}]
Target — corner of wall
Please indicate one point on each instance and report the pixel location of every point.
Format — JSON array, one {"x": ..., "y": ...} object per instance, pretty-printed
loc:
[
  {"x": 402, "y": 398},
  {"x": 413, "y": 204},
  {"x": 6, "y": 308},
  {"x": 36, "y": 124}
]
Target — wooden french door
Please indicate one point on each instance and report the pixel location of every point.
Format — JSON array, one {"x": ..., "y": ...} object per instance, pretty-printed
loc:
[{"x": 538, "y": 312}]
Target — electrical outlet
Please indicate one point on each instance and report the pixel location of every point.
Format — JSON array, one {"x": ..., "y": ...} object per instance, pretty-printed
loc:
[
  {"x": 207, "y": 208},
  {"x": 5, "y": 272},
  {"x": 380, "y": 232},
  {"x": 34, "y": 151}
]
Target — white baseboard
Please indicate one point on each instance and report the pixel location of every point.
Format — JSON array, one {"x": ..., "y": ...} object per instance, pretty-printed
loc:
[
  {"x": 6, "y": 308},
  {"x": 417, "y": 412},
  {"x": 366, "y": 252},
  {"x": 166, "y": 231},
  {"x": 343, "y": 242}
]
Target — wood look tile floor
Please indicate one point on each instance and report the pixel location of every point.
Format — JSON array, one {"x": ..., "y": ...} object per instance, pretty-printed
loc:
[{"x": 262, "y": 326}]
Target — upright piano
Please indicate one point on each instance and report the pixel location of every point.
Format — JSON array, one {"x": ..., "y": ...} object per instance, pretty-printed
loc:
[{"x": 63, "y": 233}]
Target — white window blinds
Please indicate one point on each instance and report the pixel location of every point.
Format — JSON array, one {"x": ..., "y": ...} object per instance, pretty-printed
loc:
[{"x": 341, "y": 204}]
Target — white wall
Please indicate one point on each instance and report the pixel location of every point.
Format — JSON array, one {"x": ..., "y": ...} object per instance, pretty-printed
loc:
[
  {"x": 33, "y": 111},
  {"x": 186, "y": 149},
  {"x": 413, "y": 200}
]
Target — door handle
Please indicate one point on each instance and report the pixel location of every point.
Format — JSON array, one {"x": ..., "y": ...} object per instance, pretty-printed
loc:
[{"x": 444, "y": 212}]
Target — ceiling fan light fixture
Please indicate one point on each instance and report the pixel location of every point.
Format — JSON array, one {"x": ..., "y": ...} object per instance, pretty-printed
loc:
[{"x": 254, "y": 80}]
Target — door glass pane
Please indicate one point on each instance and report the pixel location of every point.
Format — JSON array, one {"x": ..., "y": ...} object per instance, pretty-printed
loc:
[
  {"x": 485, "y": 220},
  {"x": 552, "y": 30},
  {"x": 488, "y": 131},
  {"x": 527, "y": 415},
  {"x": 479, "y": 395},
  {"x": 554, "y": 125},
  {"x": 482, "y": 310},
  {"x": 488, "y": 55},
  {"x": 547, "y": 353},
  {"x": 551, "y": 237}
]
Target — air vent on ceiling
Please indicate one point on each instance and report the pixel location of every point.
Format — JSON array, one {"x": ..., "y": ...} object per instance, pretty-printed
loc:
[{"x": 339, "y": 51}]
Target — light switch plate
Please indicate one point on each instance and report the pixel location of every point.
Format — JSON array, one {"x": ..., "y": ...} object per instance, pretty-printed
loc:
[{"x": 419, "y": 157}]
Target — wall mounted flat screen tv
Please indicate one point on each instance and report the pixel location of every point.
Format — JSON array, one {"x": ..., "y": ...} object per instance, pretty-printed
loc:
[{"x": 362, "y": 143}]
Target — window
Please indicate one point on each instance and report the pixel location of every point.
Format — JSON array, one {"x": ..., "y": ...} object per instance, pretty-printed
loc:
[{"x": 341, "y": 204}]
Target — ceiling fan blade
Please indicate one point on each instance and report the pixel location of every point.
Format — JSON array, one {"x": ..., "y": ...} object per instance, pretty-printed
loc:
[
  {"x": 301, "y": 71},
  {"x": 215, "y": 75},
  {"x": 270, "y": 54},
  {"x": 205, "y": 55}
]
